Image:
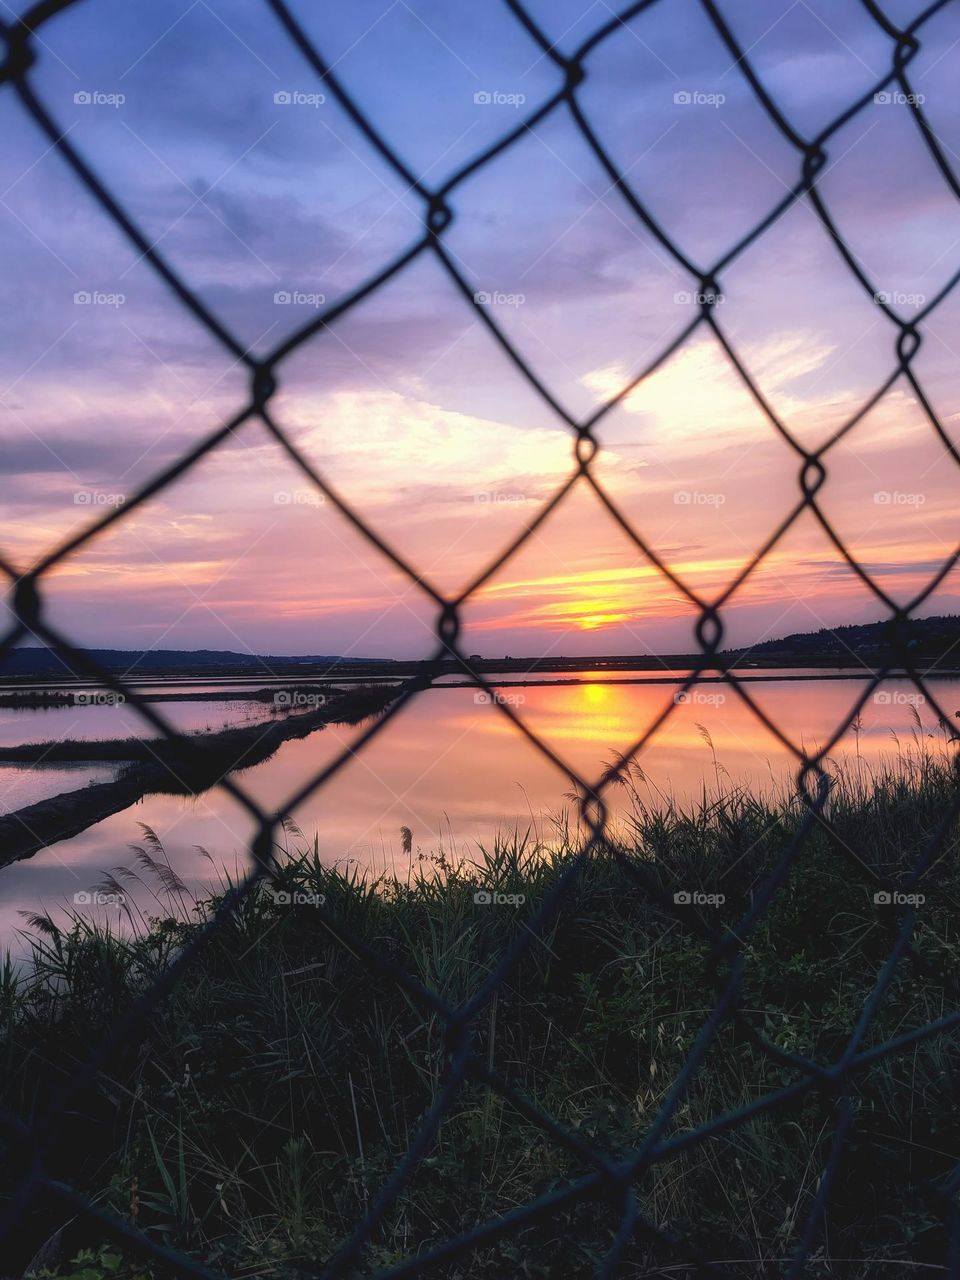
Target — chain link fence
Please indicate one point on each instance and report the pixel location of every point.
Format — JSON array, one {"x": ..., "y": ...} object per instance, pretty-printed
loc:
[{"x": 612, "y": 1180}]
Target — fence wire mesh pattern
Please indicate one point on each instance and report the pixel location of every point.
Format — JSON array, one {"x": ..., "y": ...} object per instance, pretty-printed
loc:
[{"x": 610, "y": 1180}]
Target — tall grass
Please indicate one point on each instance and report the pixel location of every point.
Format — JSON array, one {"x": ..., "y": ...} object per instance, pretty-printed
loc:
[{"x": 254, "y": 1119}]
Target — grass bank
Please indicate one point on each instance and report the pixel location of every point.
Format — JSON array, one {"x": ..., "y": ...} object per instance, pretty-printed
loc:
[{"x": 253, "y": 1120}]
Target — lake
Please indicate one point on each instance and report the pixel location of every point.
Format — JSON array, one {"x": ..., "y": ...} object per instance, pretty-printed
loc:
[{"x": 448, "y": 765}]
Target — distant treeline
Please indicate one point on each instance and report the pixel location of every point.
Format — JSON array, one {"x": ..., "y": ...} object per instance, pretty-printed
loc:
[
  {"x": 924, "y": 637},
  {"x": 931, "y": 640},
  {"x": 42, "y": 663}
]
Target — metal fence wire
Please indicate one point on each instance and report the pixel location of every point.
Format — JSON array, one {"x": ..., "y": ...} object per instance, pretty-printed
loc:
[{"x": 611, "y": 1180}]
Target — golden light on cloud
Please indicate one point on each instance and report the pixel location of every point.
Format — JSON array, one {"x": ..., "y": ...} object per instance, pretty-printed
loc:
[
  {"x": 417, "y": 442},
  {"x": 591, "y": 600},
  {"x": 598, "y": 600},
  {"x": 594, "y": 621},
  {"x": 697, "y": 394}
]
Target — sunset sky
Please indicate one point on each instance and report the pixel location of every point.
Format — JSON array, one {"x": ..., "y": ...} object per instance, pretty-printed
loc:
[{"x": 408, "y": 406}]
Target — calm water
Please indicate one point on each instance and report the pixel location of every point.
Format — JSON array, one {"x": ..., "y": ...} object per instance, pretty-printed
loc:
[{"x": 452, "y": 769}]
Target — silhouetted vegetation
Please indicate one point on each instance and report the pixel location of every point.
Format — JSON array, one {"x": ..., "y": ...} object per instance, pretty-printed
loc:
[{"x": 254, "y": 1117}]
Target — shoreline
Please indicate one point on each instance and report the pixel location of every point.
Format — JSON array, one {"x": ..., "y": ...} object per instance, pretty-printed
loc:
[
  {"x": 159, "y": 766},
  {"x": 931, "y": 661},
  {"x": 53, "y": 695}
]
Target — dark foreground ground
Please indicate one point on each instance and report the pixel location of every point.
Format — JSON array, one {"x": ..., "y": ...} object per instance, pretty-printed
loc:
[{"x": 254, "y": 1116}]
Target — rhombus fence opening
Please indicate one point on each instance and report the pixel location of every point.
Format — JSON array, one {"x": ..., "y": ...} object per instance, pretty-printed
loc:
[{"x": 611, "y": 1180}]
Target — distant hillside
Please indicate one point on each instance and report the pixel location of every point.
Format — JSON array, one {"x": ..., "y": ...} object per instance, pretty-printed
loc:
[
  {"x": 931, "y": 641},
  {"x": 927, "y": 638},
  {"x": 44, "y": 663}
]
